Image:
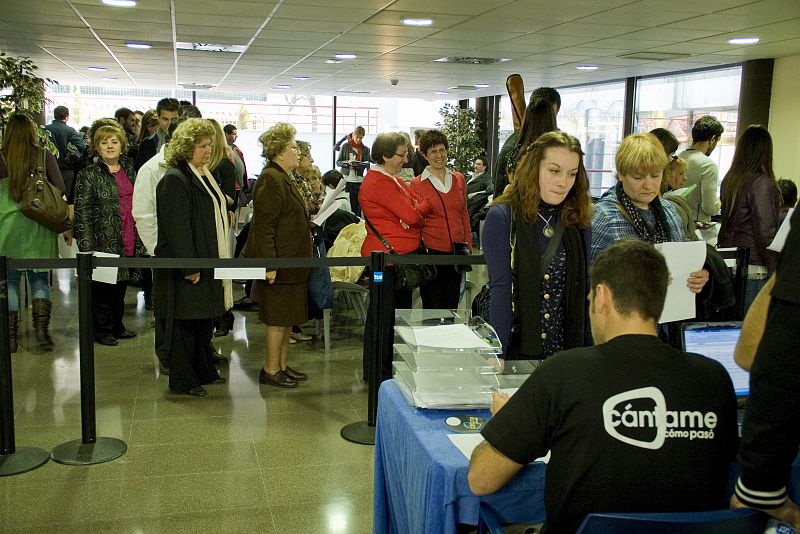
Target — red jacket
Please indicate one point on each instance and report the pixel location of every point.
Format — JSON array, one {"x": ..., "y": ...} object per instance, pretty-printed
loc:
[
  {"x": 386, "y": 203},
  {"x": 446, "y": 208}
]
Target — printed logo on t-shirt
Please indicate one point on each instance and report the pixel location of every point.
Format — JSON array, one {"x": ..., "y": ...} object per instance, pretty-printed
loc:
[{"x": 640, "y": 417}]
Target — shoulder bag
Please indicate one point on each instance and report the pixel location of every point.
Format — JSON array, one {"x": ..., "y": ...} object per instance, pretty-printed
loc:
[
  {"x": 460, "y": 248},
  {"x": 42, "y": 202},
  {"x": 407, "y": 275}
]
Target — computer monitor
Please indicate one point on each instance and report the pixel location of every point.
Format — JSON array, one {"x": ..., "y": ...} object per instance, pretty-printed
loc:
[{"x": 717, "y": 341}]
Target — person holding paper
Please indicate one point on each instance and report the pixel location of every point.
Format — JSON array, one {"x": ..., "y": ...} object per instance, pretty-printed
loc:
[
  {"x": 280, "y": 229},
  {"x": 192, "y": 219},
  {"x": 104, "y": 223},
  {"x": 634, "y": 209},
  {"x": 536, "y": 241},
  {"x": 596, "y": 409},
  {"x": 751, "y": 204},
  {"x": 354, "y": 160}
]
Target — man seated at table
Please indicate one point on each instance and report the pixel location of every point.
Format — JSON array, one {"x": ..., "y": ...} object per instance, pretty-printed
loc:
[{"x": 633, "y": 425}]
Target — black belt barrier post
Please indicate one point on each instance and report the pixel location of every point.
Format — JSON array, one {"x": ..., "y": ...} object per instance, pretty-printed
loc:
[
  {"x": 89, "y": 449},
  {"x": 361, "y": 432},
  {"x": 12, "y": 460}
]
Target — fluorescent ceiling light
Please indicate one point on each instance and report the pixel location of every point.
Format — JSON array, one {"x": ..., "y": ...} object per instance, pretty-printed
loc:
[
  {"x": 345, "y": 56},
  {"x": 301, "y": 77},
  {"x": 482, "y": 86},
  {"x": 209, "y": 47},
  {"x": 587, "y": 67},
  {"x": 743, "y": 40},
  {"x": 442, "y": 93},
  {"x": 333, "y": 61},
  {"x": 282, "y": 86},
  {"x": 417, "y": 22},
  {"x": 97, "y": 69},
  {"x": 120, "y": 3},
  {"x": 142, "y": 46},
  {"x": 109, "y": 78}
]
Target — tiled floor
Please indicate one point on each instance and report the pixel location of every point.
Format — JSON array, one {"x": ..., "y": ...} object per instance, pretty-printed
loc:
[{"x": 246, "y": 458}]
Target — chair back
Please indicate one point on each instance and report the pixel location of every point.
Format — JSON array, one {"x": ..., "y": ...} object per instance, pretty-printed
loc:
[
  {"x": 740, "y": 521},
  {"x": 737, "y": 259}
]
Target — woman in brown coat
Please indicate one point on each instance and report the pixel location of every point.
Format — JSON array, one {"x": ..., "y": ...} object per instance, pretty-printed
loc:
[{"x": 280, "y": 230}]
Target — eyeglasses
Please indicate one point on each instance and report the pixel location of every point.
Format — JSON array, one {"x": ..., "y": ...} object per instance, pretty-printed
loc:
[{"x": 402, "y": 155}]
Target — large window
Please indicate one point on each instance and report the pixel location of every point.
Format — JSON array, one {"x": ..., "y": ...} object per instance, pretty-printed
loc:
[{"x": 674, "y": 102}]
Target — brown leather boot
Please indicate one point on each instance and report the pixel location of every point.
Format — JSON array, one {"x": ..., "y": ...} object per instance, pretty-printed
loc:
[
  {"x": 41, "y": 322},
  {"x": 13, "y": 322}
]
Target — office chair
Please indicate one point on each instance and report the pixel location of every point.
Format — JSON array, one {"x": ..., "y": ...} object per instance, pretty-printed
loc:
[{"x": 740, "y": 521}]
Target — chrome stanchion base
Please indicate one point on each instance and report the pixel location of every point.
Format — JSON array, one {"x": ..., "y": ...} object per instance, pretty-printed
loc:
[
  {"x": 23, "y": 459},
  {"x": 78, "y": 453},
  {"x": 359, "y": 432}
]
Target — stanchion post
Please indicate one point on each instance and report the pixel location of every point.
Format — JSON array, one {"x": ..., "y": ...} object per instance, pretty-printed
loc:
[
  {"x": 89, "y": 449},
  {"x": 12, "y": 460},
  {"x": 364, "y": 432}
]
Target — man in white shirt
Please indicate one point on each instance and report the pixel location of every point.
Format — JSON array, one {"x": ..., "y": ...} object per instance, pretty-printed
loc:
[{"x": 701, "y": 170}]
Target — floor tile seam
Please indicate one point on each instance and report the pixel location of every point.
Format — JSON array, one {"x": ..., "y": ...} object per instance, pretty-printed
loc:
[
  {"x": 230, "y": 441},
  {"x": 264, "y": 486},
  {"x": 131, "y": 477}
]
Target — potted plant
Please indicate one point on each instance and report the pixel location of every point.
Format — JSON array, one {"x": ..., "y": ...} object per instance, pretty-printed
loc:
[
  {"x": 461, "y": 128},
  {"x": 22, "y": 90}
]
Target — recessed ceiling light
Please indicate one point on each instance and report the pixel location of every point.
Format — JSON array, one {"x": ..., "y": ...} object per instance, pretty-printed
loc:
[
  {"x": 142, "y": 46},
  {"x": 417, "y": 22},
  {"x": 587, "y": 67},
  {"x": 333, "y": 61},
  {"x": 109, "y": 78},
  {"x": 120, "y": 3},
  {"x": 282, "y": 86},
  {"x": 97, "y": 69},
  {"x": 743, "y": 40},
  {"x": 442, "y": 93},
  {"x": 345, "y": 56},
  {"x": 208, "y": 47},
  {"x": 482, "y": 86},
  {"x": 301, "y": 77}
]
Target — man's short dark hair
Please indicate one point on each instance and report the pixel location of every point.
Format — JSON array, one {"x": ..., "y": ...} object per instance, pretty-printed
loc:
[
  {"x": 167, "y": 104},
  {"x": 430, "y": 139},
  {"x": 637, "y": 276},
  {"x": 331, "y": 178},
  {"x": 188, "y": 110},
  {"x": 549, "y": 94},
  {"x": 185, "y": 103},
  {"x": 386, "y": 145},
  {"x": 484, "y": 160},
  {"x": 229, "y": 129},
  {"x": 122, "y": 113},
  {"x": 359, "y": 130},
  {"x": 788, "y": 193},
  {"x": 705, "y": 128},
  {"x": 61, "y": 113},
  {"x": 667, "y": 140}
]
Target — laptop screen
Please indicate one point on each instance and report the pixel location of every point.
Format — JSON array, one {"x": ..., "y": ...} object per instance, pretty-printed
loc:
[{"x": 717, "y": 341}]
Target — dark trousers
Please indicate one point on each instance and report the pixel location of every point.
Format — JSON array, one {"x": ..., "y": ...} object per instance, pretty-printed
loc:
[
  {"x": 190, "y": 362},
  {"x": 162, "y": 339},
  {"x": 108, "y": 306},
  {"x": 146, "y": 282},
  {"x": 395, "y": 299},
  {"x": 443, "y": 291},
  {"x": 353, "y": 188}
]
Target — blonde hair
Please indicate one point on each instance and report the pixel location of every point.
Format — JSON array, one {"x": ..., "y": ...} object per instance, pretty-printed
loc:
[
  {"x": 673, "y": 168},
  {"x": 188, "y": 134},
  {"x": 640, "y": 153},
  {"x": 107, "y": 131},
  {"x": 276, "y": 139},
  {"x": 219, "y": 148}
]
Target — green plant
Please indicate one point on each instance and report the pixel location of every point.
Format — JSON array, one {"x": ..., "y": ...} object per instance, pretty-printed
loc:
[
  {"x": 21, "y": 90},
  {"x": 461, "y": 128}
]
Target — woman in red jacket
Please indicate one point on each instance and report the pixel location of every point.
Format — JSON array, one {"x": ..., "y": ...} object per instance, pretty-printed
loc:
[
  {"x": 398, "y": 214},
  {"x": 447, "y": 225}
]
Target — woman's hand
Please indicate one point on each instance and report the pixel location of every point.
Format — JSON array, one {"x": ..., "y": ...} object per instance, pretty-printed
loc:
[
  {"x": 193, "y": 278},
  {"x": 68, "y": 235},
  {"x": 271, "y": 276},
  {"x": 698, "y": 280}
]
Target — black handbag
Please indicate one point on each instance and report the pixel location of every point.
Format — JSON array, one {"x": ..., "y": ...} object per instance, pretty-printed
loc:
[
  {"x": 459, "y": 248},
  {"x": 42, "y": 202},
  {"x": 408, "y": 276}
]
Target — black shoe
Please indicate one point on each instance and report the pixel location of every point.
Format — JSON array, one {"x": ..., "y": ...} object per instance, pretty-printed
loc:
[
  {"x": 278, "y": 379},
  {"x": 126, "y": 334},
  {"x": 220, "y": 380},
  {"x": 148, "y": 302},
  {"x": 295, "y": 375},
  {"x": 108, "y": 341},
  {"x": 163, "y": 368},
  {"x": 196, "y": 391},
  {"x": 219, "y": 359}
]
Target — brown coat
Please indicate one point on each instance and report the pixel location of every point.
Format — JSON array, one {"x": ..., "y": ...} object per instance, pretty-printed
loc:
[{"x": 279, "y": 228}]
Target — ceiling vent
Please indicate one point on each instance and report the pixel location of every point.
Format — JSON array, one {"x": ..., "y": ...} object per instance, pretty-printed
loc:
[
  {"x": 463, "y": 88},
  {"x": 208, "y": 47},
  {"x": 468, "y": 60},
  {"x": 355, "y": 91},
  {"x": 197, "y": 86},
  {"x": 653, "y": 56}
]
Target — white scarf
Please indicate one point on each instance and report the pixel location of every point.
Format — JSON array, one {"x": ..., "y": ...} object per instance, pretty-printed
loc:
[{"x": 220, "y": 223}]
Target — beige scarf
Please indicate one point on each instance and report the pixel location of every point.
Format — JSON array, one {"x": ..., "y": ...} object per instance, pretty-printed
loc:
[{"x": 220, "y": 224}]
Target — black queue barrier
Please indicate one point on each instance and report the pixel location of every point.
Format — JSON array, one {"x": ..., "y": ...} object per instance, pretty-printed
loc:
[
  {"x": 90, "y": 449},
  {"x": 13, "y": 460}
]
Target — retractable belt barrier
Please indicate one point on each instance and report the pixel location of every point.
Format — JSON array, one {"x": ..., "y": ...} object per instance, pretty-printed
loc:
[{"x": 91, "y": 449}]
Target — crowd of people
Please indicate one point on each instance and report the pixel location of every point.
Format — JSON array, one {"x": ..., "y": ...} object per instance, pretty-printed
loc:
[{"x": 567, "y": 273}]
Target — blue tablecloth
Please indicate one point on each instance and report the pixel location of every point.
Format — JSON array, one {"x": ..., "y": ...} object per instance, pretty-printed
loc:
[{"x": 421, "y": 477}]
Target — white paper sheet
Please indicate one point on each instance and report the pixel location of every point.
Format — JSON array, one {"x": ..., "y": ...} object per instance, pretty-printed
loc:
[
  {"x": 107, "y": 275},
  {"x": 682, "y": 260},
  {"x": 466, "y": 443},
  {"x": 782, "y": 233},
  {"x": 323, "y": 214},
  {"x": 245, "y": 273},
  {"x": 448, "y": 336},
  {"x": 331, "y": 195}
]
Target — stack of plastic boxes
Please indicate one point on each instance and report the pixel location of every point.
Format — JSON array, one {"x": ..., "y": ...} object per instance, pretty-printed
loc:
[{"x": 445, "y": 359}]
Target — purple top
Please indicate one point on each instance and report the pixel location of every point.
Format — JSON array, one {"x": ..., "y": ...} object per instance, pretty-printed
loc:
[{"x": 125, "y": 188}]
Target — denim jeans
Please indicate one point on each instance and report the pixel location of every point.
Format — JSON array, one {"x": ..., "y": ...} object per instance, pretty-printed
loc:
[
  {"x": 751, "y": 289},
  {"x": 39, "y": 282}
]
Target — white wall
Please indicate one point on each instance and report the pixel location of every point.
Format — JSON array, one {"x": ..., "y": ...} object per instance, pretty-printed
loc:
[{"x": 784, "y": 117}]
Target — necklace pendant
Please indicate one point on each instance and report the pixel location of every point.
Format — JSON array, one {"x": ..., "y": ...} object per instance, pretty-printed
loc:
[{"x": 548, "y": 231}]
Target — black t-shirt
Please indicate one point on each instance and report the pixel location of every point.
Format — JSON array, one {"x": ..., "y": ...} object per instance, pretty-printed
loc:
[
  {"x": 596, "y": 409},
  {"x": 787, "y": 282}
]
